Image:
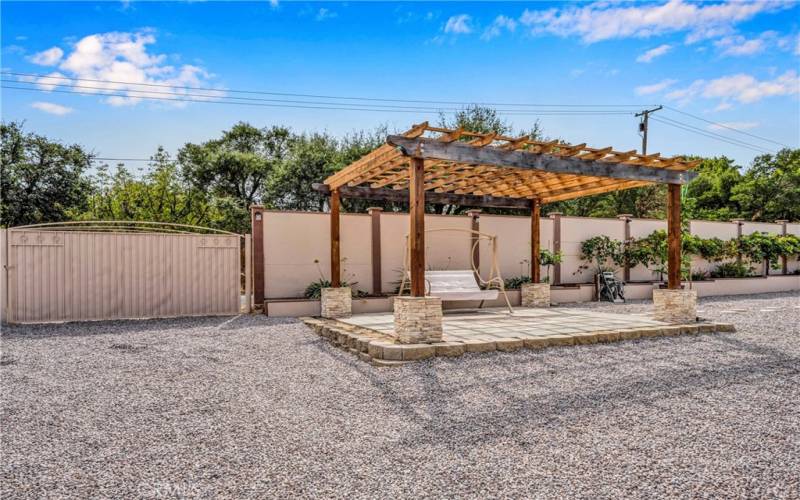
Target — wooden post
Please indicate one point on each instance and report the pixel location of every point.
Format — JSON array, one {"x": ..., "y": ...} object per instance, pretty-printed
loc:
[
  {"x": 784, "y": 260},
  {"x": 536, "y": 268},
  {"x": 556, "y": 216},
  {"x": 375, "y": 219},
  {"x": 336, "y": 273},
  {"x": 248, "y": 273},
  {"x": 674, "y": 237},
  {"x": 475, "y": 226},
  {"x": 626, "y": 220},
  {"x": 739, "y": 223},
  {"x": 416, "y": 233},
  {"x": 259, "y": 278}
]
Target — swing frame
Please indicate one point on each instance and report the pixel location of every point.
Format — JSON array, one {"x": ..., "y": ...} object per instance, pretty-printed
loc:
[{"x": 495, "y": 279}]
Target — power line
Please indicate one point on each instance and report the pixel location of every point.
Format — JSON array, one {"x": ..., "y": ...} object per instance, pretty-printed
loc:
[
  {"x": 323, "y": 105},
  {"x": 317, "y": 96},
  {"x": 725, "y": 126},
  {"x": 126, "y": 93},
  {"x": 719, "y": 138},
  {"x": 700, "y": 130},
  {"x": 122, "y": 159}
]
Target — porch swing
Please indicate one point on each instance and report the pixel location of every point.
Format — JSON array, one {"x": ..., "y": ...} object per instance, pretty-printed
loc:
[{"x": 461, "y": 285}]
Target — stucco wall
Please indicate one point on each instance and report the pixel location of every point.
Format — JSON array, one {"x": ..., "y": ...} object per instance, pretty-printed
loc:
[
  {"x": 294, "y": 240},
  {"x": 575, "y": 230}
]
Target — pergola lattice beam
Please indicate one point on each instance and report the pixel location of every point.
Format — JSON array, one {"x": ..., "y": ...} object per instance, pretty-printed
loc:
[
  {"x": 401, "y": 196},
  {"x": 464, "y": 153}
]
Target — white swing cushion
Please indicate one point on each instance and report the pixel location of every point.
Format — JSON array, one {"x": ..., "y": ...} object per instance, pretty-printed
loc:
[{"x": 456, "y": 285}]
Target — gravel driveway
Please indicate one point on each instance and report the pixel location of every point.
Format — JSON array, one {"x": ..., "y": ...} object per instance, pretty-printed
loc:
[{"x": 258, "y": 407}]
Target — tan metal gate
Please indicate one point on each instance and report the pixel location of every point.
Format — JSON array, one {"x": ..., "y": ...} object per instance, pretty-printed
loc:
[{"x": 58, "y": 274}]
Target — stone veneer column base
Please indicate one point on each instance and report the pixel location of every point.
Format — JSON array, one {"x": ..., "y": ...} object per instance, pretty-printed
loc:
[
  {"x": 535, "y": 295},
  {"x": 418, "y": 320},
  {"x": 337, "y": 302},
  {"x": 675, "y": 306}
]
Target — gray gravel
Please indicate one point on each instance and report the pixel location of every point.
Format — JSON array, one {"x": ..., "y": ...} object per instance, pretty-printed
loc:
[{"x": 254, "y": 407}]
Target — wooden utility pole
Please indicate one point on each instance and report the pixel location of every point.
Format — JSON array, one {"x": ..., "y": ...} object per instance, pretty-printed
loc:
[{"x": 644, "y": 124}]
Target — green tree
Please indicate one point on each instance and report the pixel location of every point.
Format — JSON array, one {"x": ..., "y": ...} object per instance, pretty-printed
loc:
[
  {"x": 238, "y": 165},
  {"x": 770, "y": 189},
  {"x": 708, "y": 196},
  {"x": 310, "y": 158},
  {"x": 40, "y": 180},
  {"x": 161, "y": 195},
  {"x": 644, "y": 202}
]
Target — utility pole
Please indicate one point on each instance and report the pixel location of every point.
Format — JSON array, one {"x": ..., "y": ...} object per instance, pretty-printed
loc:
[{"x": 643, "y": 125}]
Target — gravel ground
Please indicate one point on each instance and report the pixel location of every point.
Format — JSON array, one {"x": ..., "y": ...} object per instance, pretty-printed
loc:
[{"x": 256, "y": 407}]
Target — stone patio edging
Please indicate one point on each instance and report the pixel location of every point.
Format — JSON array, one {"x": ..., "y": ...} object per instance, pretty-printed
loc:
[{"x": 382, "y": 350}]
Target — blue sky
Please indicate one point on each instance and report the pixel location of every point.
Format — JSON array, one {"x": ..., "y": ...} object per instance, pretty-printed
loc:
[{"x": 732, "y": 63}]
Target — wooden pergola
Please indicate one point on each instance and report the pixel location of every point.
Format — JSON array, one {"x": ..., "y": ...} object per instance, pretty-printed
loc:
[{"x": 437, "y": 165}]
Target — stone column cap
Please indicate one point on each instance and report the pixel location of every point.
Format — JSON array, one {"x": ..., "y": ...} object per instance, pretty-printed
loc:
[
  {"x": 374, "y": 209},
  {"x": 555, "y": 214},
  {"x": 624, "y": 216},
  {"x": 474, "y": 212},
  {"x": 782, "y": 221}
]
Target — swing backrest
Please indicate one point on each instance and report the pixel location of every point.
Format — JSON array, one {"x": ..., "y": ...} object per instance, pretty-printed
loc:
[{"x": 456, "y": 285}]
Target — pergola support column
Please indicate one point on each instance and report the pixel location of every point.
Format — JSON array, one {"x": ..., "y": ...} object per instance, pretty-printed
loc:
[
  {"x": 536, "y": 267},
  {"x": 674, "y": 304},
  {"x": 416, "y": 234},
  {"x": 535, "y": 294},
  {"x": 417, "y": 319},
  {"x": 336, "y": 301}
]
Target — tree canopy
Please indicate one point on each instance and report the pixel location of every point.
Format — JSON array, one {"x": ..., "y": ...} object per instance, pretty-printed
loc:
[
  {"x": 40, "y": 180},
  {"x": 214, "y": 183}
]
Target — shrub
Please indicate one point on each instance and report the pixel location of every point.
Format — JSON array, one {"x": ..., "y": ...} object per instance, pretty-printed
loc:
[
  {"x": 516, "y": 282},
  {"x": 600, "y": 251},
  {"x": 314, "y": 290},
  {"x": 732, "y": 270}
]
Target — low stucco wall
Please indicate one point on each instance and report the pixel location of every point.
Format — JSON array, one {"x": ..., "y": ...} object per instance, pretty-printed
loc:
[{"x": 559, "y": 295}]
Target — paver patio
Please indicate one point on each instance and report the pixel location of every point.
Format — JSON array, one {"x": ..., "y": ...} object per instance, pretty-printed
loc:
[{"x": 497, "y": 323}]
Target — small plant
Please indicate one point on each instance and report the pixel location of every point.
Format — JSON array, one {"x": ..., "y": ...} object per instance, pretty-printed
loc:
[
  {"x": 516, "y": 282},
  {"x": 314, "y": 289},
  {"x": 700, "y": 275},
  {"x": 732, "y": 270},
  {"x": 600, "y": 251}
]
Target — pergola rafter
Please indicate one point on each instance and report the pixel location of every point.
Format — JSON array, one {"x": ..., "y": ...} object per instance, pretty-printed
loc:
[{"x": 430, "y": 164}]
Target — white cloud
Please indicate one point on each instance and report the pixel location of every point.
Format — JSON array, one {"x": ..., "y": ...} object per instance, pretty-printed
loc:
[
  {"x": 49, "y": 81},
  {"x": 458, "y": 25},
  {"x": 323, "y": 14},
  {"x": 653, "y": 53},
  {"x": 654, "y": 88},
  {"x": 737, "y": 125},
  {"x": 121, "y": 63},
  {"x": 273, "y": 3},
  {"x": 498, "y": 25},
  {"x": 608, "y": 20},
  {"x": 737, "y": 45},
  {"x": 741, "y": 87},
  {"x": 49, "y": 57},
  {"x": 52, "y": 108},
  {"x": 723, "y": 106}
]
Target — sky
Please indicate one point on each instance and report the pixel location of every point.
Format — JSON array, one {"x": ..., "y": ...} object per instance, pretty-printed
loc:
[{"x": 727, "y": 69}]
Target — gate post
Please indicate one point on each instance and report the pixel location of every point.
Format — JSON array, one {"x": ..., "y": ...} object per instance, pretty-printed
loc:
[
  {"x": 248, "y": 270},
  {"x": 257, "y": 223}
]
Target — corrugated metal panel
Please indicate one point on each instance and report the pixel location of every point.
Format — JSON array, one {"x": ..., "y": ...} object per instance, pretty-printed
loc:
[{"x": 73, "y": 276}]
